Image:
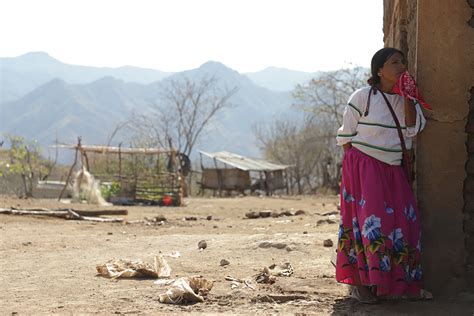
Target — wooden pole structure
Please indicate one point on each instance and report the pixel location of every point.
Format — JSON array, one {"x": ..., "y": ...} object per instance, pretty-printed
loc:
[{"x": 70, "y": 169}]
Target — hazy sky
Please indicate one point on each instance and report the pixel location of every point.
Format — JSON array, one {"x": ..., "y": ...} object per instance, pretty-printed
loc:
[{"x": 175, "y": 35}]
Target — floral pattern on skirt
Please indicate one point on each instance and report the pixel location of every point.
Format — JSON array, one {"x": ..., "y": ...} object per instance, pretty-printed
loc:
[{"x": 379, "y": 240}]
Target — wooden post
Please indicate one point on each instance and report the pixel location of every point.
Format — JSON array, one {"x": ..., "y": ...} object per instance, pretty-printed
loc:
[
  {"x": 219, "y": 182},
  {"x": 70, "y": 169}
]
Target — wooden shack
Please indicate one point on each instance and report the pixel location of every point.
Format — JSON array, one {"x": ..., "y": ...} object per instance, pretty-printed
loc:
[{"x": 225, "y": 172}]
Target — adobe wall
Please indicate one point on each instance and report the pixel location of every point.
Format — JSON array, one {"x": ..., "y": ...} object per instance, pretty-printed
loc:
[{"x": 437, "y": 37}]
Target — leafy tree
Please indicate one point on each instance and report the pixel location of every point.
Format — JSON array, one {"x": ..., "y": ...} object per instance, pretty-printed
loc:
[
  {"x": 308, "y": 143},
  {"x": 25, "y": 161}
]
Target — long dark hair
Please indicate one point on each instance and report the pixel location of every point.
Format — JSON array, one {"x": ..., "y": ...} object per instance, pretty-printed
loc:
[{"x": 378, "y": 60}]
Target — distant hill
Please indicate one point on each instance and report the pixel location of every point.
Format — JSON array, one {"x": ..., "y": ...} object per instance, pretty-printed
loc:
[
  {"x": 280, "y": 79},
  {"x": 91, "y": 110},
  {"x": 21, "y": 75}
]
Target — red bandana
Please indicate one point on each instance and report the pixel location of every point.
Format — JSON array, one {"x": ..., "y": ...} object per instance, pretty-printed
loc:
[{"x": 406, "y": 87}]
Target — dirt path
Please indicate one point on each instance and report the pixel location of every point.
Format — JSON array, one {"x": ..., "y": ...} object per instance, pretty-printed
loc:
[{"x": 48, "y": 265}]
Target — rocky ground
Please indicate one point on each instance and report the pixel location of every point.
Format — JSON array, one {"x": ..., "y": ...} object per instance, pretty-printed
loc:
[{"x": 48, "y": 265}]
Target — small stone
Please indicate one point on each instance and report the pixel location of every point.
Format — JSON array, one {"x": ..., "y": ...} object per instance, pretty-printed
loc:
[
  {"x": 266, "y": 213},
  {"x": 286, "y": 213},
  {"x": 300, "y": 212},
  {"x": 159, "y": 218},
  {"x": 215, "y": 226},
  {"x": 305, "y": 232},
  {"x": 328, "y": 243},
  {"x": 224, "y": 262},
  {"x": 110, "y": 233},
  {"x": 26, "y": 243},
  {"x": 202, "y": 244},
  {"x": 252, "y": 214},
  {"x": 268, "y": 244},
  {"x": 209, "y": 217},
  {"x": 191, "y": 218},
  {"x": 288, "y": 248}
]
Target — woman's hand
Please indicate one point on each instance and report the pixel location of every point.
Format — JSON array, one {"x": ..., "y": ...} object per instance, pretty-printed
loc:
[{"x": 347, "y": 146}]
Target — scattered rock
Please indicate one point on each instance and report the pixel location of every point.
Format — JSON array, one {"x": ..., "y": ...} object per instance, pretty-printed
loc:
[
  {"x": 300, "y": 212},
  {"x": 190, "y": 218},
  {"x": 332, "y": 217},
  {"x": 328, "y": 243},
  {"x": 202, "y": 244},
  {"x": 325, "y": 221},
  {"x": 265, "y": 213},
  {"x": 305, "y": 232},
  {"x": 268, "y": 244},
  {"x": 26, "y": 243},
  {"x": 224, "y": 262},
  {"x": 286, "y": 213},
  {"x": 110, "y": 233},
  {"x": 209, "y": 217},
  {"x": 288, "y": 248},
  {"x": 215, "y": 226},
  {"x": 158, "y": 218},
  {"x": 252, "y": 214},
  {"x": 329, "y": 213}
]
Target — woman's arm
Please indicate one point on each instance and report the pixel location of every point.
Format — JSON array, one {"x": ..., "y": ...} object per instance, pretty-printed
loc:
[{"x": 410, "y": 112}]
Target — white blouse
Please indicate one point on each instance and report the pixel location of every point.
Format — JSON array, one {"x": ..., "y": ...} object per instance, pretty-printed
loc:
[{"x": 376, "y": 134}]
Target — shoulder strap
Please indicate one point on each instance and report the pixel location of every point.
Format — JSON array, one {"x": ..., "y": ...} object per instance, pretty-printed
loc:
[{"x": 397, "y": 123}]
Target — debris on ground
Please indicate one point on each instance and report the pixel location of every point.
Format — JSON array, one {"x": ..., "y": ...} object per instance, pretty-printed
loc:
[
  {"x": 236, "y": 283},
  {"x": 224, "y": 262},
  {"x": 186, "y": 290},
  {"x": 269, "y": 274},
  {"x": 265, "y": 277},
  {"x": 271, "y": 213},
  {"x": 267, "y": 298},
  {"x": 284, "y": 269},
  {"x": 190, "y": 218},
  {"x": 124, "y": 268},
  {"x": 68, "y": 214},
  {"x": 163, "y": 282}
]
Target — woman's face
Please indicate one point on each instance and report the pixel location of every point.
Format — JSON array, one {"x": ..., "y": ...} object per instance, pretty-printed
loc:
[{"x": 392, "y": 69}]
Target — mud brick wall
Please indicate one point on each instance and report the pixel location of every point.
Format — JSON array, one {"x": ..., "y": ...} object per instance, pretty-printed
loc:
[
  {"x": 436, "y": 37},
  {"x": 469, "y": 194}
]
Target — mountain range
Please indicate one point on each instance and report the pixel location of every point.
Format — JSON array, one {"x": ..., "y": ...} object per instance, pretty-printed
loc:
[{"x": 44, "y": 99}]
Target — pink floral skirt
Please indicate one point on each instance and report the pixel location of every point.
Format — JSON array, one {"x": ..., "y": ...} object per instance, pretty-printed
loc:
[{"x": 379, "y": 235}]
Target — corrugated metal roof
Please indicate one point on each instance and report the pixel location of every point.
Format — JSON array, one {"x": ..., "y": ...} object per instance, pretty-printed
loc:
[{"x": 244, "y": 163}]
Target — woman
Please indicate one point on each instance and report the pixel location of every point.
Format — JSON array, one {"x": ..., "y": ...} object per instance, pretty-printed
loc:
[{"x": 379, "y": 236}]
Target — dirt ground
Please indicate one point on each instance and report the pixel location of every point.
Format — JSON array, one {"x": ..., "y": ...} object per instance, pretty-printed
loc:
[{"x": 48, "y": 264}]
